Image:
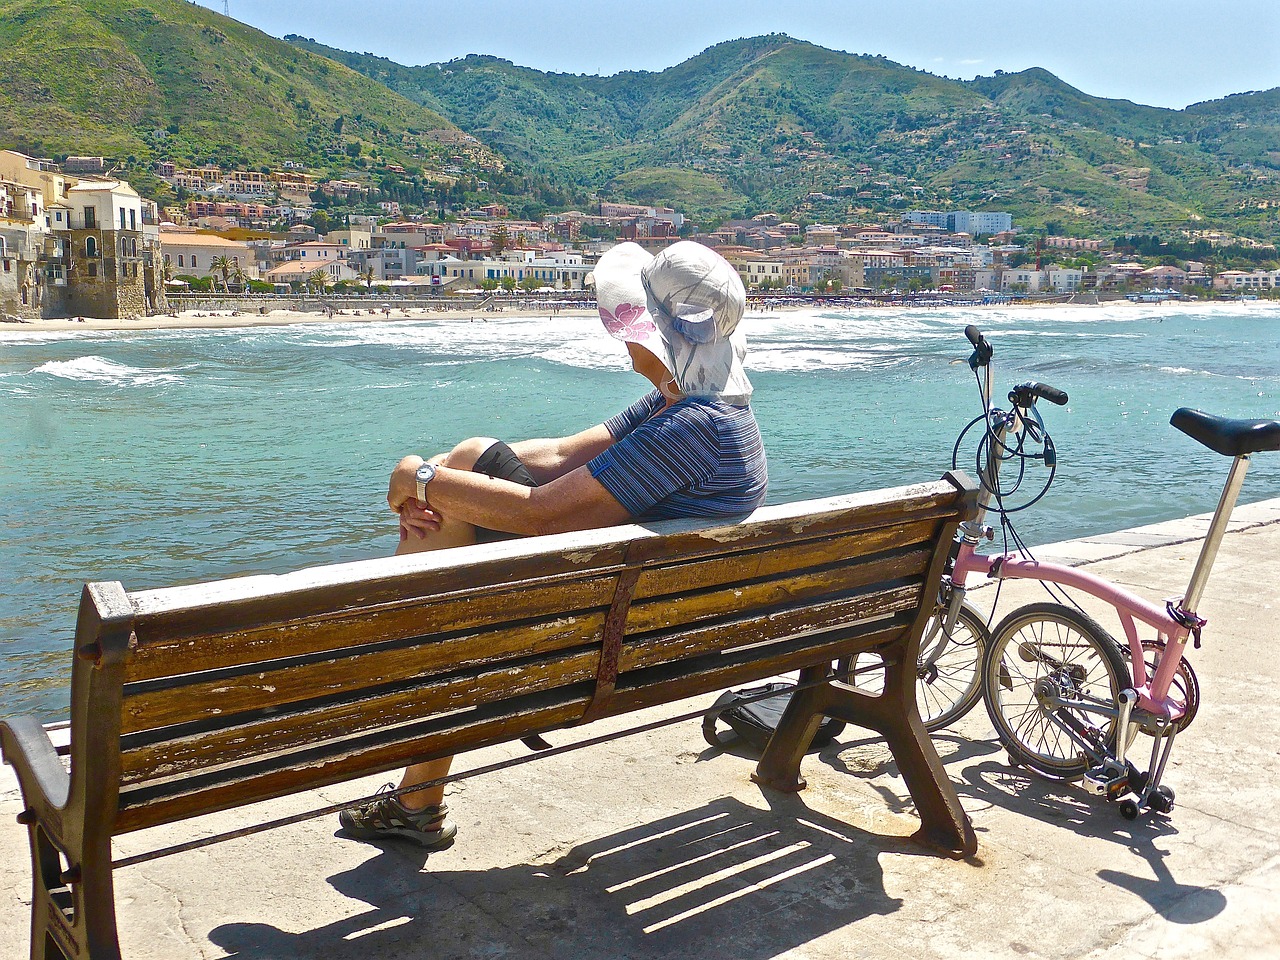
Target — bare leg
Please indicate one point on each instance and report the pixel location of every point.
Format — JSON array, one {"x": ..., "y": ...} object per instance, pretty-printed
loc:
[{"x": 452, "y": 533}]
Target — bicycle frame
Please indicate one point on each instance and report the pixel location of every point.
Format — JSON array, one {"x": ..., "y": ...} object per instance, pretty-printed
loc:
[
  {"x": 1173, "y": 623},
  {"x": 1063, "y": 697}
]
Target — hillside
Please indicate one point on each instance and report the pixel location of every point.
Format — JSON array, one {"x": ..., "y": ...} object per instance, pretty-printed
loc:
[
  {"x": 766, "y": 122},
  {"x": 148, "y": 79}
]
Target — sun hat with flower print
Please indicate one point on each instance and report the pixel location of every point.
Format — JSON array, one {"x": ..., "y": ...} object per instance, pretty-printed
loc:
[{"x": 684, "y": 307}]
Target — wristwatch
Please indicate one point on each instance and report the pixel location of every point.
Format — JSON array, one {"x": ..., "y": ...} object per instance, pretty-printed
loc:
[{"x": 426, "y": 473}]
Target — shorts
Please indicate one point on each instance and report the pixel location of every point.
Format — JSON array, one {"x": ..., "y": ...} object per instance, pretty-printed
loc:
[{"x": 501, "y": 463}]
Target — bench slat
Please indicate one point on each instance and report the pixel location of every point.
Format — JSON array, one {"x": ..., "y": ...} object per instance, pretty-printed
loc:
[
  {"x": 275, "y": 735},
  {"x": 782, "y": 625},
  {"x": 223, "y": 694},
  {"x": 718, "y": 570},
  {"x": 804, "y": 586},
  {"x": 378, "y": 751},
  {"x": 242, "y": 604},
  {"x": 670, "y": 682},
  {"x": 331, "y": 627}
]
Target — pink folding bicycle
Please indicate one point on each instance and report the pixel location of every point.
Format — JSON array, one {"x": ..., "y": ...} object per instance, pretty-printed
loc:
[{"x": 1067, "y": 700}]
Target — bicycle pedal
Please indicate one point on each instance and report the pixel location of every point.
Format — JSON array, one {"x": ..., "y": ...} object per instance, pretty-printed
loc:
[{"x": 1101, "y": 782}]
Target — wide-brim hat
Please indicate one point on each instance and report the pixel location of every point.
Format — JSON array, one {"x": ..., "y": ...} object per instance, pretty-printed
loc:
[{"x": 684, "y": 307}]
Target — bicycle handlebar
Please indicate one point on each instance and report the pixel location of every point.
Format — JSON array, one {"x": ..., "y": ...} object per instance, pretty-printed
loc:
[
  {"x": 982, "y": 351},
  {"x": 1026, "y": 394}
]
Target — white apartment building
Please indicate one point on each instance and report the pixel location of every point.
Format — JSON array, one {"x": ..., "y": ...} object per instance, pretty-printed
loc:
[
  {"x": 963, "y": 221},
  {"x": 754, "y": 271},
  {"x": 1239, "y": 281},
  {"x": 1024, "y": 279},
  {"x": 562, "y": 271},
  {"x": 1065, "y": 279}
]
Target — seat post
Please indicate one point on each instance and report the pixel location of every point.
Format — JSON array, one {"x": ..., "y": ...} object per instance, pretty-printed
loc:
[{"x": 1217, "y": 530}]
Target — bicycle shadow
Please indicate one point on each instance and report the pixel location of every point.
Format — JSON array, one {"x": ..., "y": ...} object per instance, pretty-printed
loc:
[
  {"x": 983, "y": 779},
  {"x": 1066, "y": 805},
  {"x": 723, "y": 880}
]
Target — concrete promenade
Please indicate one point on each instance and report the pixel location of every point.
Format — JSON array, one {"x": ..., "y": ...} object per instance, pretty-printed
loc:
[{"x": 660, "y": 847}]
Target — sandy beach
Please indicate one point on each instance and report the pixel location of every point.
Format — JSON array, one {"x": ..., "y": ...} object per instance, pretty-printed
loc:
[
  {"x": 205, "y": 319},
  {"x": 198, "y": 319}
]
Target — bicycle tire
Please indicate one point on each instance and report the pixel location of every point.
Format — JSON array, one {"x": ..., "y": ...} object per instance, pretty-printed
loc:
[
  {"x": 946, "y": 689},
  {"x": 951, "y": 686},
  {"x": 1050, "y": 647}
]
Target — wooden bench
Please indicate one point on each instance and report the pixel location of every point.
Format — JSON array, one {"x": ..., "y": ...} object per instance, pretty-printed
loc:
[{"x": 202, "y": 698}]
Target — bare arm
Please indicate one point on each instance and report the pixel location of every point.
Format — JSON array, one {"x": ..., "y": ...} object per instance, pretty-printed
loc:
[
  {"x": 574, "y": 501},
  {"x": 551, "y": 459}
]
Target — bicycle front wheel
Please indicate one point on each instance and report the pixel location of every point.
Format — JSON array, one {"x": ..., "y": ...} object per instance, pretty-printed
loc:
[
  {"x": 949, "y": 670},
  {"x": 1051, "y": 678}
]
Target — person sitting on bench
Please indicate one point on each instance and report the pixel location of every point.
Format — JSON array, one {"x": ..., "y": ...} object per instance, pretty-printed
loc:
[{"x": 689, "y": 448}]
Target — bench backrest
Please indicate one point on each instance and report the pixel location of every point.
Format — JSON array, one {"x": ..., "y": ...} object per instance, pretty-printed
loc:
[{"x": 205, "y": 697}]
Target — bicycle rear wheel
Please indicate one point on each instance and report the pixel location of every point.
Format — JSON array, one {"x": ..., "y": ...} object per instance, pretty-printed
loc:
[
  {"x": 1051, "y": 672},
  {"x": 949, "y": 670}
]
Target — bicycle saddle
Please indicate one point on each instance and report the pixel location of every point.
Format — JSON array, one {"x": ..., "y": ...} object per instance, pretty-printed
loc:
[{"x": 1231, "y": 438}]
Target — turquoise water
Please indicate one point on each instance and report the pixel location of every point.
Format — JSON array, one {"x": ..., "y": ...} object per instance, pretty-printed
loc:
[{"x": 162, "y": 457}]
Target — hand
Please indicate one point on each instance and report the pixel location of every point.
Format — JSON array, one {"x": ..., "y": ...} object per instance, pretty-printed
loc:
[
  {"x": 404, "y": 482},
  {"x": 417, "y": 519}
]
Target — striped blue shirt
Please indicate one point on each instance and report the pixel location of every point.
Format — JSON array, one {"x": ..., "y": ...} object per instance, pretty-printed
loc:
[{"x": 697, "y": 458}]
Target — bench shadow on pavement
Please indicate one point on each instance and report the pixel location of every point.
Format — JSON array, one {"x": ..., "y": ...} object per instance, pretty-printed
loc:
[
  {"x": 982, "y": 775},
  {"x": 722, "y": 881}
]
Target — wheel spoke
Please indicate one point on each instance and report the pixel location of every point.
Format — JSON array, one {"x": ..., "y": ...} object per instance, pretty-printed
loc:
[{"x": 1050, "y": 676}]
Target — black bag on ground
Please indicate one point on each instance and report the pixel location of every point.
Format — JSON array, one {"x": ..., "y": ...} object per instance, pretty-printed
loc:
[{"x": 753, "y": 720}]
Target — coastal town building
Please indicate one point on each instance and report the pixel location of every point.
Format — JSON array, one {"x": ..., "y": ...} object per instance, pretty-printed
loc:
[
  {"x": 1240, "y": 281},
  {"x": 300, "y": 273},
  {"x": 74, "y": 245},
  {"x": 189, "y": 253},
  {"x": 559, "y": 271},
  {"x": 111, "y": 269},
  {"x": 963, "y": 221}
]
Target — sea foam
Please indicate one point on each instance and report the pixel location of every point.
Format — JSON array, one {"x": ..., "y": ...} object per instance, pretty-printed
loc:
[{"x": 95, "y": 369}]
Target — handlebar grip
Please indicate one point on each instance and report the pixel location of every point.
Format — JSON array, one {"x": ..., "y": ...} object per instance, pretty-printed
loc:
[
  {"x": 982, "y": 351},
  {"x": 1025, "y": 394}
]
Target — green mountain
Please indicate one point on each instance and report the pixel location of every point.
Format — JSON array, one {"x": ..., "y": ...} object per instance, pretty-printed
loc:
[
  {"x": 746, "y": 126},
  {"x": 770, "y": 121},
  {"x": 138, "y": 80}
]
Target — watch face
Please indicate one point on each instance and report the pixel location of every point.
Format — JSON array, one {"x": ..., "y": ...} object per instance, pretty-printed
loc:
[{"x": 426, "y": 472}]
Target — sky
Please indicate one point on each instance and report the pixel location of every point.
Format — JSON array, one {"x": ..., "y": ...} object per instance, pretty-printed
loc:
[{"x": 1166, "y": 53}]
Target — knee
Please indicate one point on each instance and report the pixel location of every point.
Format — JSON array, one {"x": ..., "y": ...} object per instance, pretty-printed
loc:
[{"x": 465, "y": 454}]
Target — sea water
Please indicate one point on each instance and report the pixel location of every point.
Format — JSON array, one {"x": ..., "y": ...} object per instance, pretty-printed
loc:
[{"x": 172, "y": 456}]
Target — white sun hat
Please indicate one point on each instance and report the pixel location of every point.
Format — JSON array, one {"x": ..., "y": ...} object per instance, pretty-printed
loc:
[{"x": 684, "y": 307}]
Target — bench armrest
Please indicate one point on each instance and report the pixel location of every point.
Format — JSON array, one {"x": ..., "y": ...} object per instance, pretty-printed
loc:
[{"x": 27, "y": 748}]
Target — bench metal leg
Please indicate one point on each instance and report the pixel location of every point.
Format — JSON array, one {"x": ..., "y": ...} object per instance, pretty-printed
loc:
[
  {"x": 893, "y": 714},
  {"x": 73, "y": 912}
]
